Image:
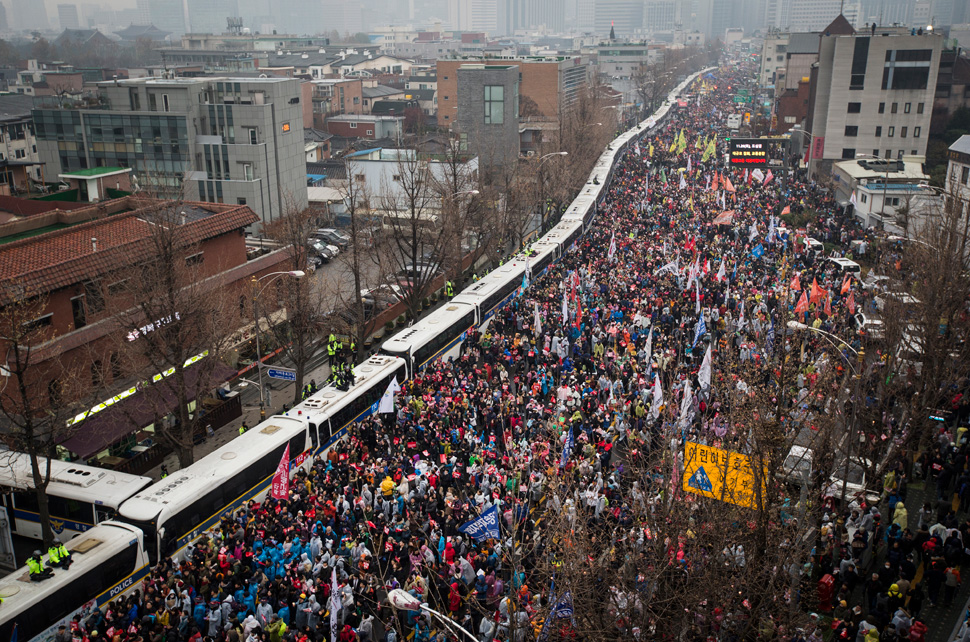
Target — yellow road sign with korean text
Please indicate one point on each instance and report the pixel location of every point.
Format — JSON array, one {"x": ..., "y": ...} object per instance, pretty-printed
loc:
[{"x": 720, "y": 474}]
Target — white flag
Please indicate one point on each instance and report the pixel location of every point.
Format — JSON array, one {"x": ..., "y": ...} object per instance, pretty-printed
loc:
[
  {"x": 649, "y": 350},
  {"x": 683, "y": 183},
  {"x": 686, "y": 403},
  {"x": 704, "y": 374},
  {"x": 852, "y": 198},
  {"x": 536, "y": 320},
  {"x": 612, "y": 251},
  {"x": 689, "y": 166},
  {"x": 697, "y": 296},
  {"x": 565, "y": 309},
  {"x": 721, "y": 273},
  {"x": 335, "y": 604},
  {"x": 658, "y": 399},
  {"x": 387, "y": 400},
  {"x": 752, "y": 232}
]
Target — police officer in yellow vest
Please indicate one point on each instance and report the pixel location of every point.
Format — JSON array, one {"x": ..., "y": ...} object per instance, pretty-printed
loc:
[
  {"x": 449, "y": 289},
  {"x": 57, "y": 555},
  {"x": 36, "y": 567},
  {"x": 331, "y": 346}
]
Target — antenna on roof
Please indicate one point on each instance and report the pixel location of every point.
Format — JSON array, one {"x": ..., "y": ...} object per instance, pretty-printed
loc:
[{"x": 94, "y": 244}]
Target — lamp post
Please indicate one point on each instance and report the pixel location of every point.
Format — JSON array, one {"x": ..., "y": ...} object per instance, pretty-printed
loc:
[
  {"x": 459, "y": 227},
  {"x": 542, "y": 183},
  {"x": 833, "y": 339},
  {"x": 296, "y": 274},
  {"x": 811, "y": 151},
  {"x": 403, "y": 600}
]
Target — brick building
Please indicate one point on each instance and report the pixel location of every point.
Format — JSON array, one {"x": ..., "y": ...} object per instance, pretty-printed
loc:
[
  {"x": 73, "y": 264},
  {"x": 551, "y": 83}
]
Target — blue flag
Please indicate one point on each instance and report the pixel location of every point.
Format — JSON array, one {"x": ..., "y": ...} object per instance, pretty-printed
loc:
[
  {"x": 562, "y": 610},
  {"x": 758, "y": 251},
  {"x": 483, "y": 527},
  {"x": 567, "y": 448},
  {"x": 700, "y": 331},
  {"x": 770, "y": 339}
]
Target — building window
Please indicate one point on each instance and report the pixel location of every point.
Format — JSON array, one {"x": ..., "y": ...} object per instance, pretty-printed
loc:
[
  {"x": 855, "y": 108},
  {"x": 78, "y": 312},
  {"x": 919, "y": 108},
  {"x": 851, "y": 130},
  {"x": 902, "y": 132},
  {"x": 882, "y": 108},
  {"x": 889, "y": 154},
  {"x": 878, "y": 130},
  {"x": 899, "y": 154},
  {"x": 165, "y": 102},
  {"x": 892, "y": 131},
  {"x": 917, "y": 131},
  {"x": 353, "y": 125},
  {"x": 907, "y": 108},
  {"x": 965, "y": 175},
  {"x": 494, "y": 104},
  {"x": 895, "y": 108},
  {"x": 38, "y": 323},
  {"x": 848, "y": 153},
  {"x": 860, "y": 58},
  {"x": 248, "y": 171},
  {"x": 194, "y": 259},
  {"x": 92, "y": 292},
  {"x": 892, "y": 201},
  {"x": 864, "y": 198},
  {"x": 360, "y": 178},
  {"x": 875, "y": 152},
  {"x": 240, "y": 200}
]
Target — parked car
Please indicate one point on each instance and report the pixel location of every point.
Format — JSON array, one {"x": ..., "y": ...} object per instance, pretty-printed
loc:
[
  {"x": 333, "y": 237},
  {"x": 326, "y": 252},
  {"x": 797, "y": 469},
  {"x": 868, "y": 326}
]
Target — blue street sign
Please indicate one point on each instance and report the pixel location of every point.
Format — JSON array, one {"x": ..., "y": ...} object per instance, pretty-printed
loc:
[{"x": 280, "y": 373}]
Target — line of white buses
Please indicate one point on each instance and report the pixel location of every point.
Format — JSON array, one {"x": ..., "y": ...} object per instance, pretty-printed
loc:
[{"x": 118, "y": 525}]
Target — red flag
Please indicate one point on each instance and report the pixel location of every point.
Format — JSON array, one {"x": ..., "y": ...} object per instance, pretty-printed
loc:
[
  {"x": 787, "y": 210},
  {"x": 828, "y": 304},
  {"x": 795, "y": 285},
  {"x": 816, "y": 292},
  {"x": 728, "y": 185},
  {"x": 851, "y": 303},
  {"x": 281, "y": 479},
  {"x": 846, "y": 284},
  {"x": 714, "y": 183},
  {"x": 768, "y": 177},
  {"x": 802, "y": 305},
  {"x": 724, "y": 218}
]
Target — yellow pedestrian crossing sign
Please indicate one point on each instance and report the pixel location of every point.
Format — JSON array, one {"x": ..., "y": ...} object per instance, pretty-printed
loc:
[{"x": 720, "y": 474}]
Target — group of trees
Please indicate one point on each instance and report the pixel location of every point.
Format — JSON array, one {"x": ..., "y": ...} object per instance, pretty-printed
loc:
[{"x": 80, "y": 54}]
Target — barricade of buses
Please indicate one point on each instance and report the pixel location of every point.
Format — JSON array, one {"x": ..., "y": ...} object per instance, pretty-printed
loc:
[{"x": 118, "y": 525}]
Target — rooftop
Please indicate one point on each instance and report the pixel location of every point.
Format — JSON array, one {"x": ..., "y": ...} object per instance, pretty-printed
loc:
[
  {"x": 95, "y": 172},
  {"x": 380, "y": 90},
  {"x": 962, "y": 145},
  {"x": 803, "y": 43},
  {"x": 911, "y": 170},
  {"x": 66, "y": 256}
]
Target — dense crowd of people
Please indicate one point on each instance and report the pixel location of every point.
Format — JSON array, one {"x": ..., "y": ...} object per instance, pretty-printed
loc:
[{"x": 602, "y": 356}]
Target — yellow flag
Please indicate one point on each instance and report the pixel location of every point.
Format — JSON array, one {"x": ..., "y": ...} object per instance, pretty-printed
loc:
[{"x": 650, "y": 153}]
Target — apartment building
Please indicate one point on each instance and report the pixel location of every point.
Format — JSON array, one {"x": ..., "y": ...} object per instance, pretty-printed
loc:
[
  {"x": 872, "y": 94},
  {"x": 224, "y": 140}
]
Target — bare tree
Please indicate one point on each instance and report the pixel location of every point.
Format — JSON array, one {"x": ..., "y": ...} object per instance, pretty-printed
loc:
[
  {"x": 37, "y": 396},
  {"x": 416, "y": 235},
  {"x": 176, "y": 321},
  {"x": 302, "y": 336}
]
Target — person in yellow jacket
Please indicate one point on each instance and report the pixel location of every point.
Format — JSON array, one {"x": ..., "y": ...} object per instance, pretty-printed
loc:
[
  {"x": 387, "y": 486},
  {"x": 57, "y": 555},
  {"x": 37, "y": 569}
]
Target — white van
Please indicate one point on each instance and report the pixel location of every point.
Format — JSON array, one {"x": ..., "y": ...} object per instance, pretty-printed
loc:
[{"x": 847, "y": 266}]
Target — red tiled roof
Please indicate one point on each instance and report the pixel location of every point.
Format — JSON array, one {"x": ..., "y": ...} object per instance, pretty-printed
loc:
[{"x": 52, "y": 261}]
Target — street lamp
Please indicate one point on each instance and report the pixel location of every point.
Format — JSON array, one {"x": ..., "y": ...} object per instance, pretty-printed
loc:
[
  {"x": 831, "y": 338},
  {"x": 811, "y": 152},
  {"x": 403, "y": 600},
  {"x": 296, "y": 274}
]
